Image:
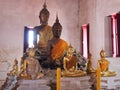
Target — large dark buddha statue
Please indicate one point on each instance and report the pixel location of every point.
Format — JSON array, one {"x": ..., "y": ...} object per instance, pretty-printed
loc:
[{"x": 56, "y": 47}]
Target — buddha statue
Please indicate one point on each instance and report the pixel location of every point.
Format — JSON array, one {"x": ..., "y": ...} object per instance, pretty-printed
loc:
[
  {"x": 56, "y": 47},
  {"x": 30, "y": 68},
  {"x": 44, "y": 31},
  {"x": 90, "y": 68},
  {"x": 70, "y": 62},
  {"x": 104, "y": 65},
  {"x": 14, "y": 71}
]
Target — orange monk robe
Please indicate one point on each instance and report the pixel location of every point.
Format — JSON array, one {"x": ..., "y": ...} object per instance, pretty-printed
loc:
[
  {"x": 104, "y": 65},
  {"x": 72, "y": 62},
  {"x": 59, "y": 49}
]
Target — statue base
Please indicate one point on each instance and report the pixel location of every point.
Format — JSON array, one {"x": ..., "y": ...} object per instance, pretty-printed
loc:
[
  {"x": 40, "y": 84},
  {"x": 76, "y": 73},
  {"x": 110, "y": 83},
  {"x": 75, "y": 83}
]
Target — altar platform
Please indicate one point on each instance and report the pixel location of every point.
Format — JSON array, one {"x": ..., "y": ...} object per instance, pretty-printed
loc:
[
  {"x": 41, "y": 84},
  {"x": 112, "y": 83},
  {"x": 75, "y": 83}
]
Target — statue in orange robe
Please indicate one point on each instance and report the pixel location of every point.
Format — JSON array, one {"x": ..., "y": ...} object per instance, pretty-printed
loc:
[
  {"x": 56, "y": 47},
  {"x": 59, "y": 49}
]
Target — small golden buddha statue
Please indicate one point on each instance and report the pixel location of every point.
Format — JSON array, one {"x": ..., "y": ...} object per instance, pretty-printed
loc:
[
  {"x": 30, "y": 68},
  {"x": 90, "y": 68},
  {"x": 22, "y": 72},
  {"x": 14, "y": 71},
  {"x": 104, "y": 65},
  {"x": 70, "y": 64}
]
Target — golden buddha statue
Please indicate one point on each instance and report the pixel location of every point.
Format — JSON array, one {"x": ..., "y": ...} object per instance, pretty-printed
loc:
[
  {"x": 14, "y": 71},
  {"x": 70, "y": 64},
  {"x": 90, "y": 68},
  {"x": 104, "y": 65},
  {"x": 30, "y": 68},
  {"x": 22, "y": 72}
]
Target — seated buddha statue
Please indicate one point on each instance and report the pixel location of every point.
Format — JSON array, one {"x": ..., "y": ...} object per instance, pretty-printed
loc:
[
  {"x": 90, "y": 68},
  {"x": 30, "y": 68},
  {"x": 104, "y": 65},
  {"x": 70, "y": 62},
  {"x": 56, "y": 47},
  {"x": 14, "y": 70}
]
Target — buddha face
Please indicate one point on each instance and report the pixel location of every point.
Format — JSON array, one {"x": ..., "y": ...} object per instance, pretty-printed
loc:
[
  {"x": 70, "y": 50},
  {"x": 16, "y": 62},
  {"x": 43, "y": 18},
  {"x": 102, "y": 54},
  {"x": 57, "y": 31},
  {"x": 89, "y": 55},
  {"x": 31, "y": 53}
]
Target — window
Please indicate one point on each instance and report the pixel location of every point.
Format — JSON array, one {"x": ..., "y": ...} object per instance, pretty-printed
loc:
[
  {"x": 28, "y": 37},
  {"x": 85, "y": 40},
  {"x": 112, "y": 35}
]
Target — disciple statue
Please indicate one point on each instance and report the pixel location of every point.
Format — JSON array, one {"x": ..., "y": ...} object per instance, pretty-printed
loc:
[
  {"x": 70, "y": 62},
  {"x": 14, "y": 71},
  {"x": 90, "y": 68},
  {"x": 30, "y": 68},
  {"x": 104, "y": 65},
  {"x": 22, "y": 72}
]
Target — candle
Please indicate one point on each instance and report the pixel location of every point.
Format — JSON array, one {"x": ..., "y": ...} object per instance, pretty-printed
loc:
[
  {"x": 98, "y": 77},
  {"x": 58, "y": 78}
]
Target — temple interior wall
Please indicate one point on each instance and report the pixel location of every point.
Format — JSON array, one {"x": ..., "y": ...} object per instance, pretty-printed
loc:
[
  {"x": 15, "y": 14},
  {"x": 94, "y": 12}
]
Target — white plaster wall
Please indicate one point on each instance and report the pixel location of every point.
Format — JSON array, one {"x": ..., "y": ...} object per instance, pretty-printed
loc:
[
  {"x": 94, "y": 13},
  {"x": 114, "y": 65},
  {"x": 103, "y": 9},
  {"x": 87, "y": 15}
]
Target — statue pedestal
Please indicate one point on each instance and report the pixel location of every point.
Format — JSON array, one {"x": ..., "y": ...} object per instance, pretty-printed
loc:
[
  {"x": 110, "y": 83},
  {"x": 114, "y": 64},
  {"x": 40, "y": 84},
  {"x": 75, "y": 83}
]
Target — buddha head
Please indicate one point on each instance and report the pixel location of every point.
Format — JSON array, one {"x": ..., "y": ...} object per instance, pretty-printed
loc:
[
  {"x": 31, "y": 52},
  {"x": 89, "y": 56},
  {"x": 102, "y": 54},
  {"x": 57, "y": 28},
  {"x": 15, "y": 61},
  {"x": 44, "y": 15},
  {"x": 70, "y": 50}
]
